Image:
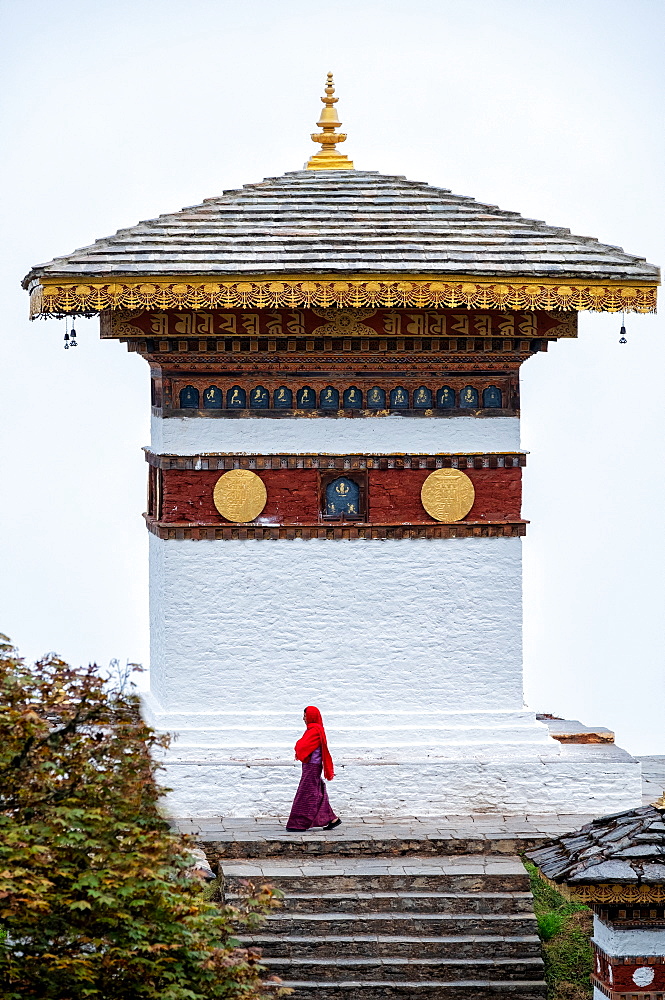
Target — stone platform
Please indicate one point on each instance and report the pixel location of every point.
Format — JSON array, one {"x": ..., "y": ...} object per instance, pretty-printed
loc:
[{"x": 495, "y": 834}]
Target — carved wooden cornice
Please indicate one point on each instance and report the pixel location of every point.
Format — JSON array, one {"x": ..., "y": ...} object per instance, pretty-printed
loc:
[
  {"x": 610, "y": 892},
  {"x": 226, "y": 462},
  {"x": 349, "y": 532},
  {"x": 66, "y": 296}
]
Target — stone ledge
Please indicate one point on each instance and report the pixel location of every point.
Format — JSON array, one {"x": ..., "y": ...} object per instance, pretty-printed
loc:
[{"x": 459, "y": 837}]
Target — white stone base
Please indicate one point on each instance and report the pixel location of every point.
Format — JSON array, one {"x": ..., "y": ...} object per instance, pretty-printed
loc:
[
  {"x": 460, "y": 782},
  {"x": 623, "y": 942}
]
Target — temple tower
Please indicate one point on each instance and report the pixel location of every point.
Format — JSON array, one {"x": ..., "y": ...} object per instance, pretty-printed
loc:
[{"x": 335, "y": 481}]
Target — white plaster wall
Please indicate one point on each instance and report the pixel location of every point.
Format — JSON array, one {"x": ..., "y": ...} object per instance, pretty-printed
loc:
[
  {"x": 532, "y": 785},
  {"x": 619, "y": 941},
  {"x": 351, "y": 626},
  {"x": 343, "y": 435}
]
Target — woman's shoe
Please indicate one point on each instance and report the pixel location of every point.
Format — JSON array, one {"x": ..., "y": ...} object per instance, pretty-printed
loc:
[{"x": 332, "y": 825}]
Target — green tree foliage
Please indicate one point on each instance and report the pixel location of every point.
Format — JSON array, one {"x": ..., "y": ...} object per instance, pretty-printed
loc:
[{"x": 95, "y": 901}]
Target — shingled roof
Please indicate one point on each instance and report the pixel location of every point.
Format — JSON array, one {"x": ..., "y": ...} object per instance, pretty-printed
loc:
[
  {"x": 625, "y": 849},
  {"x": 346, "y": 222}
]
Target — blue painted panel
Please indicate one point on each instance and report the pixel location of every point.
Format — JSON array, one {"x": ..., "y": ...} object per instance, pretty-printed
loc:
[
  {"x": 399, "y": 398},
  {"x": 189, "y": 398},
  {"x": 212, "y": 398},
  {"x": 236, "y": 398},
  {"x": 492, "y": 397},
  {"x": 468, "y": 398},
  {"x": 329, "y": 399},
  {"x": 306, "y": 398},
  {"x": 342, "y": 497},
  {"x": 422, "y": 398},
  {"x": 445, "y": 398},
  {"x": 283, "y": 398},
  {"x": 353, "y": 398},
  {"x": 259, "y": 398},
  {"x": 376, "y": 398}
]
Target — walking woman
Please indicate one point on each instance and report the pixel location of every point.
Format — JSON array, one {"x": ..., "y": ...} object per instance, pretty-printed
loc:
[{"x": 310, "y": 805}]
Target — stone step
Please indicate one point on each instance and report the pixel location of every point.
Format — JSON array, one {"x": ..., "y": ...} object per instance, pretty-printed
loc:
[
  {"x": 390, "y": 946},
  {"x": 394, "y": 969},
  {"x": 468, "y": 989},
  {"x": 460, "y": 927},
  {"x": 416, "y": 989},
  {"x": 443, "y": 903},
  {"x": 416, "y": 923},
  {"x": 471, "y": 873}
]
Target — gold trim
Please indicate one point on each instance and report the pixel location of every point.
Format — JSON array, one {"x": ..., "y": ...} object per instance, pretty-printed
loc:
[
  {"x": 50, "y": 295},
  {"x": 609, "y": 892}
]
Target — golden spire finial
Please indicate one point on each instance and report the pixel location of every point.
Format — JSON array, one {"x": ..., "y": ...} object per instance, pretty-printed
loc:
[
  {"x": 660, "y": 803},
  {"x": 328, "y": 157}
]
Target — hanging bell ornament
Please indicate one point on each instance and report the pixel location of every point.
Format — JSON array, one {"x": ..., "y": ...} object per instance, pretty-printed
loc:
[
  {"x": 66, "y": 341},
  {"x": 622, "y": 336},
  {"x": 72, "y": 338}
]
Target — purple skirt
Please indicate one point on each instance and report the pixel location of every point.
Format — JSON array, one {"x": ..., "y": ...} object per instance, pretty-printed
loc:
[{"x": 310, "y": 805}]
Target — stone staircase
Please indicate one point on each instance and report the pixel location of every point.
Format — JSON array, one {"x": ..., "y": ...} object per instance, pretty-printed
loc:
[{"x": 455, "y": 927}]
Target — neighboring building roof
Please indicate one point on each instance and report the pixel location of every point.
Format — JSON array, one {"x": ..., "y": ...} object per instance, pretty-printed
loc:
[
  {"x": 347, "y": 221},
  {"x": 627, "y": 849}
]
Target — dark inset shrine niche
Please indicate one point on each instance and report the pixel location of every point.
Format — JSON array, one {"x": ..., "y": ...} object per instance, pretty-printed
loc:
[
  {"x": 468, "y": 398},
  {"x": 353, "y": 398},
  {"x": 329, "y": 398},
  {"x": 492, "y": 397},
  {"x": 445, "y": 398},
  {"x": 342, "y": 499},
  {"x": 306, "y": 398},
  {"x": 236, "y": 398},
  {"x": 422, "y": 398},
  {"x": 259, "y": 398},
  {"x": 189, "y": 398},
  {"x": 212, "y": 398},
  {"x": 376, "y": 398},
  {"x": 399, "y": 398},
  {"x": 283, "y": 398}
]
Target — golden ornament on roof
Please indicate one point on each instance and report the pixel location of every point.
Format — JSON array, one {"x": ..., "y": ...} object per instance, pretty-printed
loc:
[{"x": 328, "y": 157}]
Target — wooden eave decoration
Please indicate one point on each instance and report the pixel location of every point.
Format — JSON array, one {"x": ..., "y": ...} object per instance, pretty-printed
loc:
[
  {"x": 615, "y": 859},
  {"x": 55, "y": 295}
]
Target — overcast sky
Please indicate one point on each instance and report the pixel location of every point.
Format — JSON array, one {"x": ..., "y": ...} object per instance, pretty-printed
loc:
[{"x": 117, "y": 111}]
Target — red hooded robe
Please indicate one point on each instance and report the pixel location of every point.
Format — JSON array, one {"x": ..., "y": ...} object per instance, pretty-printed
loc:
[{"x": 313, "y": 737}]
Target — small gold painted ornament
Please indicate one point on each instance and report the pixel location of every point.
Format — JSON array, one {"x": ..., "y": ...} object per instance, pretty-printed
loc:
[
  {"x": 240, "y": 495},
  {"x": 447, "y": 495}
]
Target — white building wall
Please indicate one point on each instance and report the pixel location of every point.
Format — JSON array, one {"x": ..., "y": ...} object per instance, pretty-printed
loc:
[
  {"x": 351, "y": 626},
  {"x": 337, "y": 435},
  {"x": 627, "y": 941}
]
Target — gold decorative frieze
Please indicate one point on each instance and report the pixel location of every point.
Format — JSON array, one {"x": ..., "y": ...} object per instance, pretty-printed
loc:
[
  {"x": 610, "y": 893},
  {"x": 63, "y": 296}
]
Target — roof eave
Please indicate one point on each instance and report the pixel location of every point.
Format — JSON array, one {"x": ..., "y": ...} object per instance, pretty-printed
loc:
[{"x": 88, "y": 292}]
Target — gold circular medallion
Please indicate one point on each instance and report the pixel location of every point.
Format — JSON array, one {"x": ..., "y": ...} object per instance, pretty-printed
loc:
[
  {"x": 240, "y": 495},
  {"x": 447, "y": 495}
]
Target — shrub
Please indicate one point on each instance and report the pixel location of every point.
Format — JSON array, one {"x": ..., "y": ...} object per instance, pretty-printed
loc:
[{"x": 94, "y": 898}]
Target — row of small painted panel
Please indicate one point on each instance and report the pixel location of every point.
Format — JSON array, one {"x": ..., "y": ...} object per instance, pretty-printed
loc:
[{"x": 444, "y": 398}]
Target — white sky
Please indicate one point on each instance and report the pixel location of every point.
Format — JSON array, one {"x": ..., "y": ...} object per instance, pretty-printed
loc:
[{"x": 118, "y": 111}]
